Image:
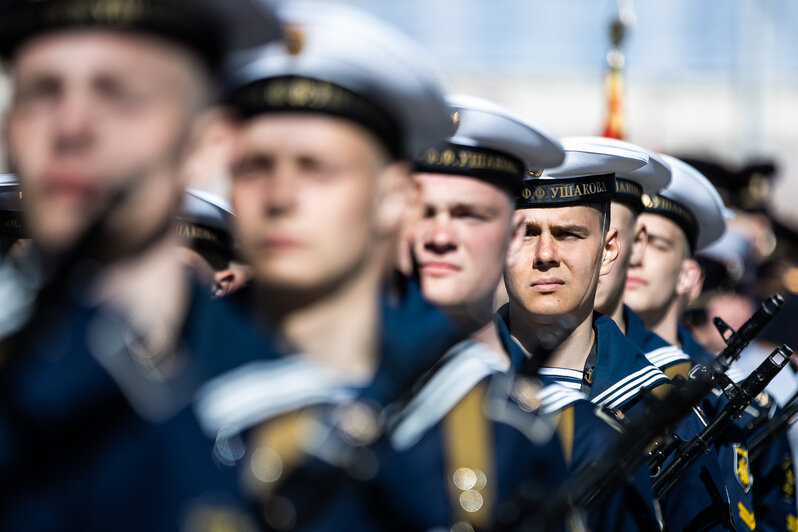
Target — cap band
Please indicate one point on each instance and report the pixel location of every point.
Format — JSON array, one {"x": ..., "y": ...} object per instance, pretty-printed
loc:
[
  {"x": 11, "y": 223},
  {"x": 486, "y": 164},
  {"x": 199, "y": 235},
  {"x": 300, "y": 94},
  {"x": 656, "y": 204},
  {"x": 172, "y": 19},
  {"x": 542, "y": 193},
  {"x": 628, "y": 192}
]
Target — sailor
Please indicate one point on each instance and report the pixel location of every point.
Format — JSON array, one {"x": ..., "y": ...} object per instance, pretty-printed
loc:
[
  {"x": 329, "y": 121},
  {"x": 205, "y": 227},
  {"x": 569, "y": 245},
  {"x": 105, "y": 98},
  {"x": 684, "y": 217}
]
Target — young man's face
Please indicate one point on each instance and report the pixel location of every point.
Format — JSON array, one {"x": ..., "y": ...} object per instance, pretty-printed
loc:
[
  {"x": 611, "y": 286},
  {"x": 563, "y": 254},
  {"x": 94, "y": 112},
  {"x": 310, "y": 194},
  {"x": 461, "y": 242},
  {"x": 651, "y": 283}
]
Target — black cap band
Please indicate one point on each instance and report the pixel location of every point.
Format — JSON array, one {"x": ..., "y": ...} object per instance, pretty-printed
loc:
[
  {"x": 301, "y": 94},
  {"x": 542, "y": 193},
  {"x": 676, "y": 212},
  {"x": 11, "y": 223},
  {"x": 207, "y": 237},
  {"x": 493, "y": 166},
  {"x": 629, "y": 193},
  {"x": 174, "y": 20}
]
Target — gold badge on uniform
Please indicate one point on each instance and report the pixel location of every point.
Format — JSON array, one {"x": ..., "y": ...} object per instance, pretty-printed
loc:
[
  {"x": 742, "y": 470},
  {"x": 788, "y": 484}
]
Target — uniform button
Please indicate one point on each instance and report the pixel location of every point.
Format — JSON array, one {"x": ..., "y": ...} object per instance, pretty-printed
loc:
[
  {"x": 471, "y": 500},
  {"x": 464, "y": 478}
]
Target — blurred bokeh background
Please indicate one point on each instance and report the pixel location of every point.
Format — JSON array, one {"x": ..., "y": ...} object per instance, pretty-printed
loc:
[{"x": 714, "y": 79}]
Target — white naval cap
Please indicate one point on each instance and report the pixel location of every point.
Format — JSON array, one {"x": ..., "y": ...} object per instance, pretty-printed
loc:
[
  {"x": 587, "y": 175},
  {"x": 630, "y": 186},
  {"x": 490, "y": 143},
  {"x": 339, "y": 61},
  {"x": 205, "y": 219},
  {"x": 692, "y": 203}
]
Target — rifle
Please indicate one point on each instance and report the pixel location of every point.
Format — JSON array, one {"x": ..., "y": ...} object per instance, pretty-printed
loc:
[
  {"x": 773, "y": 428},
  {"x": 688, "y": 452},
  {"x": 589, "y": 484}
]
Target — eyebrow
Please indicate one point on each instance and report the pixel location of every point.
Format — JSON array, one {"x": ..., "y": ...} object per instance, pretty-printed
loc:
[
  {"x": 562, "y": 228},
  {"x": 660, "y": 238}
]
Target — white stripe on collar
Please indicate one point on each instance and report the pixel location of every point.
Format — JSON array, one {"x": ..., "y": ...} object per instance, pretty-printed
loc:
[
  {"x": 631, "y": 382},
  {"x": 263, "y": 389},
  {"x": 469, "y": 363},
  {"x": 666, "y": 355},
  {"x": 555, "y": 397}
]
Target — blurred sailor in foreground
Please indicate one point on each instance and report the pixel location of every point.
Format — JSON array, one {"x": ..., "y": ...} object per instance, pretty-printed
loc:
[
  {"x": 205, "y": 227},
  {"x": 686, "y": 216},
  {"x": 106, "y": 98},
  {"x": 329, "y": 121}
]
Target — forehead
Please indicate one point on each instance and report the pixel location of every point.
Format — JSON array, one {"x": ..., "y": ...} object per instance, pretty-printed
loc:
[
  {"x": 660, "y": 227},
  {"x": 291, "y": 131},
  {"x": 572, "y": 215},
  {"x": 82, "y": 51},
  {"x": 445, "y": 189}
]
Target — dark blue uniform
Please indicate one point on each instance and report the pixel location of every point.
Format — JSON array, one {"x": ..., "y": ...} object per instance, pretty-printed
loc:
[
  {"x": 732, "y": 453},
  {"x": 74, "y": 452},
  {"x": 632, "y": 506},
  {"x": 310, "y": 447},
  {"x": 699, "y": 500}
]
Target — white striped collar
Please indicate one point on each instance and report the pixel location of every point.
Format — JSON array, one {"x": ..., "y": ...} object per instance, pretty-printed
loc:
[
  {"x": 569, "y": 378},
  {"x": 555, "y": 397},
  {"x": 469, "y": 362},
  {"x": 629, "y": 386},
  {"x": 263, "y": 389},
  {"x": 666, "y": 355}
]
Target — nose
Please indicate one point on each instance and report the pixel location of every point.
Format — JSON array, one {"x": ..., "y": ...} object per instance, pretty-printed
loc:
[
  {"x": 440, "y": 236},
  {"x": 546, "y": 255},
  {"x": 281, "y": 194},
  {"x": 73, "y": 119}
]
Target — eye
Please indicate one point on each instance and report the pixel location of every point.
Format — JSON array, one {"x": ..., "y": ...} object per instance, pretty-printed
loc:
[
  {"x": 37, "y": 90},
  {"x": 531, "y": 231},
  {"x": 429, "y": 212}
]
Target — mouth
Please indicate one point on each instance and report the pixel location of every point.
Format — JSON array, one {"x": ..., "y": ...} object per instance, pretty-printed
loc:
[
  {"x": 71, "y": 187},
  {"x": 635, "y": 282},
  {"x": 279, "y": 243},
  {"x": 438, "y": 268},
  {"x": 549, "y": 284}
]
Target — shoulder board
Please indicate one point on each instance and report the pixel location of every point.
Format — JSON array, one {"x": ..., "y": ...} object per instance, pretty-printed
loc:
[
  {"x": 630, "y": 386},
  {"x": 261, "y": 390},
  {"x": 569, "y": 378},
  {"x": 666, "y": 356},
  {"x": 468, "y": 363},
  {"x": 555, "y": 397}
]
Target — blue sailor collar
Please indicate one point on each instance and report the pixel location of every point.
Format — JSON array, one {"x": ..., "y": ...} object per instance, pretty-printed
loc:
[
  {"x": 414, "y": 335},
  {"x": 621, "y": 373},
  {"x": 655, "y": 349}
]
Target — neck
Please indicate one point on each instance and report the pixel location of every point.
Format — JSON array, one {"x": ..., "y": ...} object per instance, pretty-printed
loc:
[
  {"x": 339, "y": 329},
  {"x": 616, "y": 314},
  {"x": 571, "y": 353},
  {"x": 665, "y": 322},
  {"x": 477, "y": 319},
  {"x": 150, "y": 292}
]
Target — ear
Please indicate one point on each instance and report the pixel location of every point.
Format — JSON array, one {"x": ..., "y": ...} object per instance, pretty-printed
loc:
[
  {"x": 518, "y": 229},
  {"x": 691, "y": 280},
  {"x": 210, "y": 151},
  {"x": 612, "y": 247},
  {"x": 639, "y": 244},
  {"x": 398, "y": 199}
]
